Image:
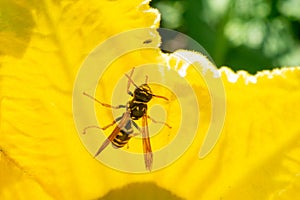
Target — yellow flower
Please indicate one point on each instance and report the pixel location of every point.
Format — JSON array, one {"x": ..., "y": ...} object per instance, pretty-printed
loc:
[{"x": 42, "y": 157}]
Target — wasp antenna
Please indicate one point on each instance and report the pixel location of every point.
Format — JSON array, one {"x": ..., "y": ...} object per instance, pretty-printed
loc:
[
  {"x": 162, "y": 97},
  {"x": 131, "y": 81},
  {"x": 146, "y": 79},
  {"x": 131, "y": 73}
]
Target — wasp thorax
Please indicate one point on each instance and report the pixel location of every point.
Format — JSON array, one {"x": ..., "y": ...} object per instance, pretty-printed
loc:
[
  {"x": 137, "y": 110},
  {"x": 143, "y": 93}
]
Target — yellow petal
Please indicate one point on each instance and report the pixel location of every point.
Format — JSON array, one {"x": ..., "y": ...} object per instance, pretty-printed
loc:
[
  {"x": 38, "y": 136},
  {"x": 42, "y": 157}
]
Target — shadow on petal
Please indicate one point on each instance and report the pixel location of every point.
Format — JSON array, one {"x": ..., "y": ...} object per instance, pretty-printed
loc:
[{"x": 143, "y": 191}]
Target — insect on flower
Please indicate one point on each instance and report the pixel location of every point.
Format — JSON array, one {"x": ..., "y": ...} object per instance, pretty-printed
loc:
[
  {"x": 148, "y": 41},
  {"x": 136, "y": 108}
]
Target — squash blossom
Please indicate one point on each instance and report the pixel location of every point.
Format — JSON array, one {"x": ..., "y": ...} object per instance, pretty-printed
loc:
[{"x": 42, "y": 156}]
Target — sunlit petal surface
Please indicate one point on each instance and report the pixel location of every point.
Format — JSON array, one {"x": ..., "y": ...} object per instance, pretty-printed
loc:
[{"x": 42, "y": 157}]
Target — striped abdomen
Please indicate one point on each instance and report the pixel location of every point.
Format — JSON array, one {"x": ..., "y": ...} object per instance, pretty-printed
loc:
[{"x": 123, "y": 136}]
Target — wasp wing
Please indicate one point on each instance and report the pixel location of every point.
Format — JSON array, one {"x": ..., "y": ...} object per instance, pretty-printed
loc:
[
  {"x": 114, "y": 133},
  {"x": 146, "y": 144}
]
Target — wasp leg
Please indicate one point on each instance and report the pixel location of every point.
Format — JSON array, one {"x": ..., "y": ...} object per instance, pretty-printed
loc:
[
  {"x": 136, "y": 126},
  {"x": 135, "y": 134},
  {"x": 88, "y": 127},
  {"x": 132, "y": 135},
  {"x": 159, "y": 122},
  {"x": 104, "y": 104},
  {"x": 102, "y": 128}
]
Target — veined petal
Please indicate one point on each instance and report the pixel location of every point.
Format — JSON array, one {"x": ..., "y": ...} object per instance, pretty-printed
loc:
[
  {"x": 256, "y": 157},
  {"x": 38, "y": 139}
]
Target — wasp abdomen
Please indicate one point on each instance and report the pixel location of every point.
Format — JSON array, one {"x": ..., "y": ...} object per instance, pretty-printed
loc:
[{"x": 121, "y": 139}]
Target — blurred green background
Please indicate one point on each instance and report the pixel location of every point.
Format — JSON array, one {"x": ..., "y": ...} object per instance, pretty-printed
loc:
[{"x": 251, "y": 35}]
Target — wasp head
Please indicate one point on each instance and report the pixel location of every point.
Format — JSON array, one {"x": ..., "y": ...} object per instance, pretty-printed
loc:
[{"x": 143, "y": 93}]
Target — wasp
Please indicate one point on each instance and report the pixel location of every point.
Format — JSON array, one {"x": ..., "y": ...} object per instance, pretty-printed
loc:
[{"x": 136, "y": 108}]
